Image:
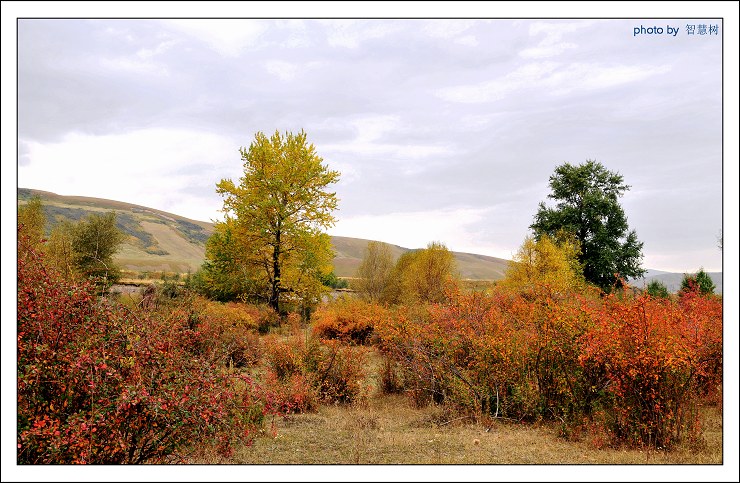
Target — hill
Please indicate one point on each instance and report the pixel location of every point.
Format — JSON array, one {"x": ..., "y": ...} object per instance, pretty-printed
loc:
[
  {"x": 156, "y": 240},
  {"x": 672, "y": 281},
  {"x": 161, "y": 241}
]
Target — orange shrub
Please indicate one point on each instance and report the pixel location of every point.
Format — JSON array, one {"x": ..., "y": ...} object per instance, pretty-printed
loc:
[
  {"x": 640, "y": 365},
  {"x": 348, "y": 319},
  {"x": 659, "y": 357},
  {"x": 230, "y": 331}
]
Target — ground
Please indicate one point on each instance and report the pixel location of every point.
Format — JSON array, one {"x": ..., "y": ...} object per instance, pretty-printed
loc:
[{"x": 388, "y": 430}]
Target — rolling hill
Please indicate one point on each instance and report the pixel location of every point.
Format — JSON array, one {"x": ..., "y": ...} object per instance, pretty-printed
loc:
[{"x": 162, "y": 241}]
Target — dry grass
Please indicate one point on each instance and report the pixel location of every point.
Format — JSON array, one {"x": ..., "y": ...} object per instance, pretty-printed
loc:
[{"x": 387, "y": 430}]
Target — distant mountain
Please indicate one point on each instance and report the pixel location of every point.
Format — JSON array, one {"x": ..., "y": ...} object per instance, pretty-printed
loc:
[
  {"x": 161, "y": 241},
  {"x": 156, "y": 240},
  {"x": 672, "y": 281}
]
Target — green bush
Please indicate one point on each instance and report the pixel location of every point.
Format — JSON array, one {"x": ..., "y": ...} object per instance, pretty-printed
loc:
[{"x": 657, "y": 289}]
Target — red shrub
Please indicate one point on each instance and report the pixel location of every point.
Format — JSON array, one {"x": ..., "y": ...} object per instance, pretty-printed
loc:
[
  {"x": 100, "y": 384},
  {"x": 334, "y": 370},
  {"x": 658, "y": 355},
  {"x": 293, "y": 394}
]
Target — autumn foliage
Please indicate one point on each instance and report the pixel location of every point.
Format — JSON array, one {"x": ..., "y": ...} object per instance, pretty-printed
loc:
[
  {"x": 659, "y": 357},
  {"x": 348, "y": 320},
  {"x": 100, "y": 383},
  {"x": 638, "y": 363},
  {"x": 307, "y": 370}
]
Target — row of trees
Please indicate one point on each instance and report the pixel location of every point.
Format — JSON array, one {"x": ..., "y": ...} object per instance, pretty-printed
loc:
[
  {"x": 271, "y": 245},
  {"x": 418, "y": 276},
  {"x": 82, "y": 250}
]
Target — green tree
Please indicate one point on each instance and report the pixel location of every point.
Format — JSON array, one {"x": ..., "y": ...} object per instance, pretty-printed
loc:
[
  {"x": 588, "y": 207},
  {"x": 277, "y": 213},
  {"x": 700, "y": 281},
  {"x": 332, "y": 281},
  {"x": 374, "y": 271},
  {"x": 226, "y": 273},
  {"x": 95, "y": 240},
  {"x": 657, "y": 289}
]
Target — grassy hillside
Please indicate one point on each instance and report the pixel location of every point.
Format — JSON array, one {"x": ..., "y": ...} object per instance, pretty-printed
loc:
[
  {"x": 161, "y": 241},
  {"x": 156, "y": 240}
]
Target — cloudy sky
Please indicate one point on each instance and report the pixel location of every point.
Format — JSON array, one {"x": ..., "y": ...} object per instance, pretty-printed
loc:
[{"x": 443, "y": 129}]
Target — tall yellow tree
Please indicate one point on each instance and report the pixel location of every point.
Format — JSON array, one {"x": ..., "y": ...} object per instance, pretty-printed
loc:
[{"x": 277, "y": 213}]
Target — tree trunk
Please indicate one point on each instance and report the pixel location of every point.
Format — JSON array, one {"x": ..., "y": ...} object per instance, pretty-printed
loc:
[{"x": 275, "y": 293}]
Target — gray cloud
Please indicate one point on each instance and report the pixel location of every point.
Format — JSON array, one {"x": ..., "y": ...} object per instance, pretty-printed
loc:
[{"x": 418, "y": 114}]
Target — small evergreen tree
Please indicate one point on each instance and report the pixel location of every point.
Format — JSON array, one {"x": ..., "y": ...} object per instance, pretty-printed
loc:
[
  {"x": 657, "y": 289},
  {"x": 700, "y": 281}
]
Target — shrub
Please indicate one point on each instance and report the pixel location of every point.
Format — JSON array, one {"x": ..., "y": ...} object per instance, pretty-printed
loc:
[
  {"x": 340, "y": 373},
  {"x": 347, "y": 319},
  {"x": 657, "y": 289},
  {"x": 391, "y": 377},
  {"x": 98, "y": 383},
  {"x": 700, "y": 281},
  {"x": 638, "y": 365},
  {"x": 498, "y": 355},
  {"x": 293, "y": 394},
  {"x": 230, "y": 331},
  {"x": 655, "y": 354},
  {"x": 335, "y": 371}
]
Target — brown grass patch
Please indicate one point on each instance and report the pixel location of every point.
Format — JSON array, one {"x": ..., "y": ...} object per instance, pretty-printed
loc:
[{"x": 388, "y": 430}]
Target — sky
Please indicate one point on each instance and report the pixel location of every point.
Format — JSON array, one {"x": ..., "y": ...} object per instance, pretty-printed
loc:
[{"x": 442, "y": 129}]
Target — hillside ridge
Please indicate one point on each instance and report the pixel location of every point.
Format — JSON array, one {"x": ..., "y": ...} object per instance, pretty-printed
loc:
[{"x": 162, "y": 241}]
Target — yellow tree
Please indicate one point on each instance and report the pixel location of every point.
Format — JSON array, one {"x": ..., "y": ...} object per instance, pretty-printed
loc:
[
  {"x": 545, "y": 263},
  {"x": 374, "y": 271},
  {"x": 277, "y": 214},
  {"x": 32, "y": 220},
  {"x": 432, "y": 272},
  {"x": 422, "y": 276},
  {"x": 60, "y": 252}
]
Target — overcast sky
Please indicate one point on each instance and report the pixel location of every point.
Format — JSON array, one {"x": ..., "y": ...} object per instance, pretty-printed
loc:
[{"x": 442, "y": 130}]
